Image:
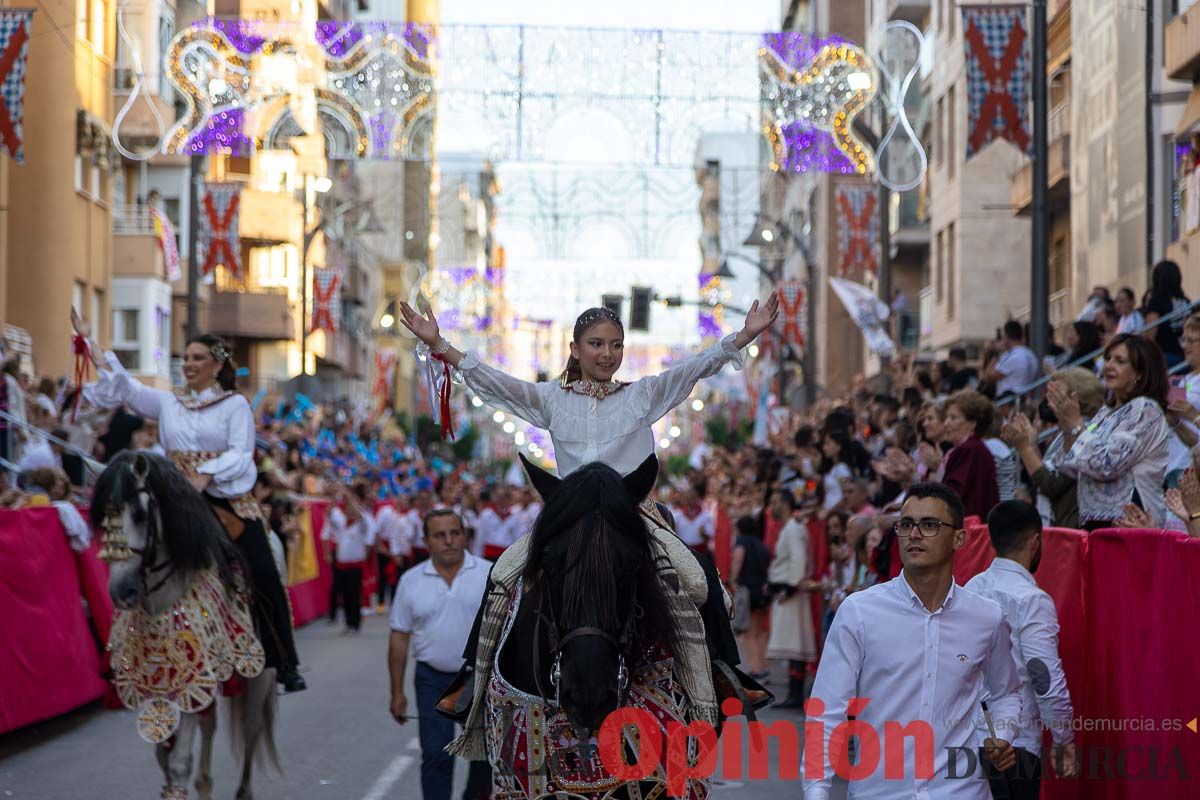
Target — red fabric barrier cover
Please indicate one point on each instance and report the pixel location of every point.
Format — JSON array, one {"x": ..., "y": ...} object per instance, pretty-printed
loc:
[
  {"x": 975, "y": 555},
  {"x": 310, "y": 600},
  {"x": 93, "y": 583},
  {"x": 1143, "y": 593},
  {"x": 49, "y": 660}
]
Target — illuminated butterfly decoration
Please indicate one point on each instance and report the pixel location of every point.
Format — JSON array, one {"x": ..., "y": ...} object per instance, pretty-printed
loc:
[
  {"x": 813, "y": 90},
  {"x": 367, "y": 87}
]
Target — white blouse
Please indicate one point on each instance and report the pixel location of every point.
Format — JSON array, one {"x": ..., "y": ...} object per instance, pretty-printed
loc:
[
  {"x": 614, "y": 430},
  {"x": 226, "y": 427}
]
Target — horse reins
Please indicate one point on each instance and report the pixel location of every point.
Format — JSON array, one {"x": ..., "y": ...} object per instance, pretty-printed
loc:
[{"x": 558, "y": 644}]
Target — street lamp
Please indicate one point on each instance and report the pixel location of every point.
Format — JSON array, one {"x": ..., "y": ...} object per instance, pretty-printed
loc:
[{"x": 320, "y": 185}]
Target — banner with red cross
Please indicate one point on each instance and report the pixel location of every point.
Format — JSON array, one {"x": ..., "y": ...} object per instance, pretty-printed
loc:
[
  {"x": 165, "y": 231},
  {"x": 858, "y": 228},
  {"x": 15, "y": 24},
  {"x": 327, "y": 300},
  {"x": 385, "y": 375},
  {"x": 218, "y": 228},
  {"x": 998, "y": 74},
  {"x": 793, "y": 308}
]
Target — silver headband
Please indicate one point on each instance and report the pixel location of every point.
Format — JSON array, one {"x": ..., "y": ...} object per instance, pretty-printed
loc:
[
  {"x": 594, "y": 315},
  {"x": 220, "y": 352}
]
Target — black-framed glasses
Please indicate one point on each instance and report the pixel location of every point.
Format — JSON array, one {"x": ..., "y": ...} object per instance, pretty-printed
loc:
[{"x": 930, "y": 526}]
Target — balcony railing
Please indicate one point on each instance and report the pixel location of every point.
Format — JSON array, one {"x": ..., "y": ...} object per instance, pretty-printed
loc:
[
  {"x": 134, "y": 220},
  {"x": 1058, "y": 122}
]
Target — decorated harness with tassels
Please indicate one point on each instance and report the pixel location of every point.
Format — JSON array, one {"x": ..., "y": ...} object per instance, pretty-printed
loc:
[{"x": 532, "y": 746}]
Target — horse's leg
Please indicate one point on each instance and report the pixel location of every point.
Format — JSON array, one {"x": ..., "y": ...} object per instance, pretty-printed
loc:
[
  {"x": 257, "y": 714},
  {"x": 208, "y": 729},
  {"x": 179, "y": 759}
]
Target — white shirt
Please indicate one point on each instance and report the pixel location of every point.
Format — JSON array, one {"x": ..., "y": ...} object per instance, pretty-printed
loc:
[
  {"x": 1033, "y": 621},
  {"x": 393, "y": 528},
  {"x": 37, "y": 454},
  {"x": 615, "y": 430},
  {"x": 225, "y": 427},
  {"x": 492, "y": 529},
  {"x": 1179, "y": 455},
  {"x": 1019, "y": 366},
  {"x": 833, "y": 484},
  {"x": 1133, "y": 322},
  {"x": 351, "y": 539},
  {"x": 915, "y": 665},
  {"x": 693, "y": 530},
  {"x": 79, "y": 536},
  {"x": 437, "y": 614}
]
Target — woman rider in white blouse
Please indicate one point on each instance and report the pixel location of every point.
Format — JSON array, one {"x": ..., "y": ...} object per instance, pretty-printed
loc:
[
  {"x": 590, "y": 416},
  {"x": 208, "y": 431}
]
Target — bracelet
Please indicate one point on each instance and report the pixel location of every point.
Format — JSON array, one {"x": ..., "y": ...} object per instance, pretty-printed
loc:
[{"x": 440, "y": 347}]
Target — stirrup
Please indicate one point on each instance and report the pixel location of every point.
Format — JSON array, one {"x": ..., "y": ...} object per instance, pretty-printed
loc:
[{"x": 174, "y": 793}]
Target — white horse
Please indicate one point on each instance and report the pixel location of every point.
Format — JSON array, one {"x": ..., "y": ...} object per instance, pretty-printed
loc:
[{"x": 168, "y": 552}]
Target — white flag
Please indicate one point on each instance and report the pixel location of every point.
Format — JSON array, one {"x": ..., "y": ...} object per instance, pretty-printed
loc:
[{"x": 869, "y": 313}]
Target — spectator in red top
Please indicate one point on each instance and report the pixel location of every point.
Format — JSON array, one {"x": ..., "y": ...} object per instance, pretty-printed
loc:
[{"x": 970, "y": 468}]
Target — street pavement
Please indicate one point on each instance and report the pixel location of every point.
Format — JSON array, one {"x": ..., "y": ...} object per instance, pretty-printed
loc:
[{"x": 337, "y": 741}]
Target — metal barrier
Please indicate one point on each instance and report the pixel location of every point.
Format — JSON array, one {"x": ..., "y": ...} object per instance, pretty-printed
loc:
[
  {"x": 1045, "y": 379},
  {"x": 92, "y": 465}
]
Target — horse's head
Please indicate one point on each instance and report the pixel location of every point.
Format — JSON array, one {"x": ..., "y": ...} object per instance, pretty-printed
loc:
[
  {"x": 153, "y": 525},
  {"x": 592, "y": 579}
]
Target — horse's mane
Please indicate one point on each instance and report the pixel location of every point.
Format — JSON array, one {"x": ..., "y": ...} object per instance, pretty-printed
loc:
[
  {"x": 191, "y": 533},
  {"x": 591, "y": 537}
]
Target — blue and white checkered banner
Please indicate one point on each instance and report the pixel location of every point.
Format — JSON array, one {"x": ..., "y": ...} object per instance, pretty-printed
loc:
[
  {"x": 15, "y": 25},
  {"x": 998, "y": 72}
]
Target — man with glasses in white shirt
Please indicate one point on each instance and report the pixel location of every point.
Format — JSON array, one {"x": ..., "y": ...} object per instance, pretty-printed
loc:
[
  {"x": 1016, "y": 532},
  {"x": 916, "y": 652}
]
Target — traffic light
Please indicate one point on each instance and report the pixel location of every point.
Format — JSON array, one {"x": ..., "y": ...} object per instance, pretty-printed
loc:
[
  {"x": 614, "y": 303},
  {"x": 639, "y": 308}
]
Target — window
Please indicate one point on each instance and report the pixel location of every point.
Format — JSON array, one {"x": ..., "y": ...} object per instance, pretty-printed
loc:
[
  {"x": 939, "y": 259},
  {"x": 97, "y": 310},
  {"x": 938, "y": 150},
  {"x": 125, "y": 325},
  {"x": 950, "y": 267},
  {"x": 166, "y": 31},
  {"x": 951, "y": 132},
  {"x": 94, "y": 186},
  {"x": 125, "y": 338}
]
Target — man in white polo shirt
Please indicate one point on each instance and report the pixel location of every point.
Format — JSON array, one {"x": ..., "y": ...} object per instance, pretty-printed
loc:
[{"x": 433, "y": 612}]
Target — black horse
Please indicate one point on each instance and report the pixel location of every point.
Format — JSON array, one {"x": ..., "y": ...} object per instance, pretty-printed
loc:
[{"x": 593, "y": 608}]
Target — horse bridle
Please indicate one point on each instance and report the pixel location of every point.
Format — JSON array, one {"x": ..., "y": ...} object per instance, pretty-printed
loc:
[
  {"x": 557, "y": 644},
  {"x": 114, "y": 534}
]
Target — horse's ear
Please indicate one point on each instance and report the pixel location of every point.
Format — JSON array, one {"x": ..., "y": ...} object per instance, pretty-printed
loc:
[
  {"x": 545, "y": 483},
  {"x": 641, "y": 481}
]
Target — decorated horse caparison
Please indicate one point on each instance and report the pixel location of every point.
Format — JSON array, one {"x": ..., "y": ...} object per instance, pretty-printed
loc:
[
  {"x": 183, "y": 628},
  {"x": 597, "y": 608}
]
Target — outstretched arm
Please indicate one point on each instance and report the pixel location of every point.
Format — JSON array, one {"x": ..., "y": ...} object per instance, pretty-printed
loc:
[
  {"x": 670, "y": 388},
  {"x": 115, "y": 386},
  {"x": 497, "y": 389}
]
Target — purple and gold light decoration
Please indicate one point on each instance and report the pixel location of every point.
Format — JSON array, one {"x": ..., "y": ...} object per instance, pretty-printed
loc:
[{"x": 813, "y": 88}]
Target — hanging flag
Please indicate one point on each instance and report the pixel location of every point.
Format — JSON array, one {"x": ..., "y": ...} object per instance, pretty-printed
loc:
[
  {"x": 385, "y": 374},
  {"x": 327, "y": 300},
  {"x": 793, "y": 308},
  {"x": 762, "y": 406},
  {"x": 218, "y": 228},
  {"x": 858, "y": 229},
  {"x": 998, "y": 74},
  {"x": 165, "y": 232},
  {"x": 869, "y": 313},
  {"x": 14, "y": 47}
]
